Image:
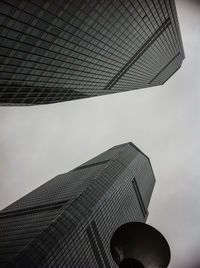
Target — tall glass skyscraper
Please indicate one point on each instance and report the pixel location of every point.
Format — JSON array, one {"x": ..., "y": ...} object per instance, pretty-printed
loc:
[
  {"x": 60, "y": 50},
  {"x": 69, "y": 221}
]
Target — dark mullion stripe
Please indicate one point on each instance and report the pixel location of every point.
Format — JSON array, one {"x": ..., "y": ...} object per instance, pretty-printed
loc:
[
  {"x": 94, "y": 247},
  {"x": 139, "y": 197},
  {"x": 100, "y": 244},
  {"x": 170, "y": 35},
  {"x": 147, "y": 32},
  {"x": 152, "y": 24},
  {"x": 138, "y": 74},
  {"x": 177, "y": 28},
  {"x": 174, "y": 28},
  {"x": 138, "y": 54},
  {"x": 166, "y": 41},
  {"x": 157, "y": 47}
]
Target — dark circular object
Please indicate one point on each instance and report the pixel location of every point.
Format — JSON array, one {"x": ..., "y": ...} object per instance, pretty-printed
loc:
[{"x": 141, "y": 242}]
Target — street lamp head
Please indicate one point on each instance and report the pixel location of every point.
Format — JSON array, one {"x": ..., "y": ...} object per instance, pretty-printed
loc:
[{"x": 139, "y": 245}]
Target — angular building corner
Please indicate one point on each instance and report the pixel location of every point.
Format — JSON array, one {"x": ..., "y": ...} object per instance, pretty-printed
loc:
[
  {"x": 69, "y": 221},
  {"x": 53, "y": 51}
]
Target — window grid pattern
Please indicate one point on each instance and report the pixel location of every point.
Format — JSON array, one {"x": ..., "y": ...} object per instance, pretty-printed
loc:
[
  {"x": 77, "y": 232},
  {"x": 53, "y": 51}
]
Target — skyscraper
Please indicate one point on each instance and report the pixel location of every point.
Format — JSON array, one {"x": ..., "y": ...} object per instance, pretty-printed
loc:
[
  {"x": 59, "y": 50},
  {"x": 69, "y": 221}
]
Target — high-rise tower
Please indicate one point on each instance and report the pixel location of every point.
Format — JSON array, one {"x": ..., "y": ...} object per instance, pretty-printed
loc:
[
  {"x": 69, "y": 221},
  {"x": 60, "y": 50}
]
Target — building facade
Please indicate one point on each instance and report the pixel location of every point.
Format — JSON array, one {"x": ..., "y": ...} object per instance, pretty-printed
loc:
[
  {"x": 53, "y": 51},
  {"x": 69, "y": 221}
]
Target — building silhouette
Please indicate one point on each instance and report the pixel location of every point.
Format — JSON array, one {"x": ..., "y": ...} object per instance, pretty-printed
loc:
[
  {"x": 53, "y": 51},
  {"x": 69, "y": 221}
]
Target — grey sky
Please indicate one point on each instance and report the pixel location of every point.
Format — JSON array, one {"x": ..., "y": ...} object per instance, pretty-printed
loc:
[{"x": 40, "y": 142}]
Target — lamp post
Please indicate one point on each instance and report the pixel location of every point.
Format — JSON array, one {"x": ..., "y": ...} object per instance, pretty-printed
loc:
[{"x": 139, "y": 245}]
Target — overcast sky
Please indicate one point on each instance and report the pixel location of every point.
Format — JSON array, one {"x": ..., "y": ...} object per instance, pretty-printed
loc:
[{"x": 40, "y": 142}]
